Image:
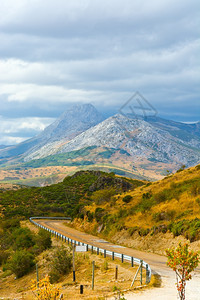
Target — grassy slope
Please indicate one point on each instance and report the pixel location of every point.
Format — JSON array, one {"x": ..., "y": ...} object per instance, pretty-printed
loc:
[{"x": 171, "y": 204}]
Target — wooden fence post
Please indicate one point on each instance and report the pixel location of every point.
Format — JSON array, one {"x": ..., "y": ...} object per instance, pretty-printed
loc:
[
  {"x": 93, "y": 265},
  {"x": 74, "y": 275},
  {"x": 116, "y": 272}
]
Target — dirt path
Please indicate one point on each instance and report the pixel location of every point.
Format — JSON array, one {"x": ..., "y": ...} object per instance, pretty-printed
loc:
[{"x": 156, "y": 262}]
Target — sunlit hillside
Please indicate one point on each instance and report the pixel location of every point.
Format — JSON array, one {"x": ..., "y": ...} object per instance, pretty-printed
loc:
[{"x": 171, "y": 205}]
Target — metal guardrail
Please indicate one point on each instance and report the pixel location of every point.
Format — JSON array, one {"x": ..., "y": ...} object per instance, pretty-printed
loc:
[{"x": 105, "y": 252}]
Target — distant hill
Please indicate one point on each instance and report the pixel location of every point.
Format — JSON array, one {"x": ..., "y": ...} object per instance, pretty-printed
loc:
[{"x": 67, "y": 198}]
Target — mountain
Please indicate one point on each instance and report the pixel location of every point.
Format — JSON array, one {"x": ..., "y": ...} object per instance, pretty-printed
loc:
[
  {"x": 72, "y": 122},
  {"x": 137, "y": 147},
  {"x": 138, "y": 138}
]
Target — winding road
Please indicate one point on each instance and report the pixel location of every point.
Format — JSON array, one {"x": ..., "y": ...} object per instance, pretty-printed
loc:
[{"x": 157, "y": 262}]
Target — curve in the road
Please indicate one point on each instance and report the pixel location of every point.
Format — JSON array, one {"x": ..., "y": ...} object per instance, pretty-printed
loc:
[{"x": 72, "y": 236}]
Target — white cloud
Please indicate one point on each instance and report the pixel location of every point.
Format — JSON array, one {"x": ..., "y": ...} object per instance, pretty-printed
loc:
[
  {"x": 17, "y": 130},
  {"x": 10, "y": 140}
]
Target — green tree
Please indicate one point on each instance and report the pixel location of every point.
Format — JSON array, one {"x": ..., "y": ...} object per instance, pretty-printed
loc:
[{"x": 183, "y": 261}]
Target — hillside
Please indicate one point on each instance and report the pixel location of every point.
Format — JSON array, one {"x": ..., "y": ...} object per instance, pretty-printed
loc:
[
  {"x": 157, "y": 211},
  {"x": 67, "y": 198}
]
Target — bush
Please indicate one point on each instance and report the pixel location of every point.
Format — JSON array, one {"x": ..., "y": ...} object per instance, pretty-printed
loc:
[
  {"x": 43, "y": 240},
  {"x": 22, "y": 238},
  {"x": 61, "y": 264},
  {"x": 102, "y": 196},
  {"x": 161, "y": 196},
  {"x": 127, "y": 198},
  {"x": 21, "y": 263},
  {"x": 10, "y": 224},
  {"x": 3, "y": 256},
  {"x": 99, "y": 213}
]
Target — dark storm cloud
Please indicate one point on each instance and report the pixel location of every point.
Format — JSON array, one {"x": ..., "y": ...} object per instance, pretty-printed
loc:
[{"x": 55, "y": 53}]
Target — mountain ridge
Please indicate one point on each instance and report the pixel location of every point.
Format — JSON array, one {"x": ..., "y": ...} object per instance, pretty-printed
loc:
[
  {"x": 127, "y": 143},
  {"x": 71, "y": 123}
]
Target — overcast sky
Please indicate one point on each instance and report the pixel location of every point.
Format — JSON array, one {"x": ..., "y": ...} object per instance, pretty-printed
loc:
[{"x": 57, "y": 52}]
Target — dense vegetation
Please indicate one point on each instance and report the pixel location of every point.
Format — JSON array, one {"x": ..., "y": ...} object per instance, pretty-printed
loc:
[
  {"x": 67, "y": 198},
  {"x": 19, "y": 246}
]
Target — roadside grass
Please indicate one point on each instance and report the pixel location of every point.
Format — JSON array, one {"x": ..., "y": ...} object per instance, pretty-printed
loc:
[{"x": 104, "y": 284}]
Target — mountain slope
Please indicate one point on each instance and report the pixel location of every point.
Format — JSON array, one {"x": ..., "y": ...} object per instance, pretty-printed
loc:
[
  {"x": 136, "y": 137},
  {"x": 71, "y": 123},
  {"x": 189, "y": 133}
]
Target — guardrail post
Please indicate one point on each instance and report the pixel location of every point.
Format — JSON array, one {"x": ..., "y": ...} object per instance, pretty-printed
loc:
[
  {"x": 92, "y": 249},
  {"x": 132, "y": 261},
  {"x": 104, "y": 253},
  {"x": 113, "y": 255},
  {"x": 141, "y": 261},
  {"x": 97, "y": 251},
  {"x": 87, "y": 247},
  {"x": 147, "y": 274},
  {"x": 122, "y": 258}
]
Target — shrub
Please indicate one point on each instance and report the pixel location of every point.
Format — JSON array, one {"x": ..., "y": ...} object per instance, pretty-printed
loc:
[
  {"x": 181, "y": 169},
  {"x": 195, "y": 190},
  {"x": 61, "y": 264},
  {"x": 10, "y": 224},
  {"x": 198, "y": 201},
  {"x": 102, "y": 196},
  {"x": 90, "y": 216},
  {"x": 143, "y": 232},
  {"x": 146, "y": 204},
  {"x": 22, "y": 238},
  {"x": 43, "y": 290},
  {"x": 43, "y": 240},
  {"x": 21, "y": 263},
  {"x": 127, "y": 198},
  {"x": 3, "y": 256},
  {"x": 161, "y": 196},
  {"x": 99, "y": 213}
]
